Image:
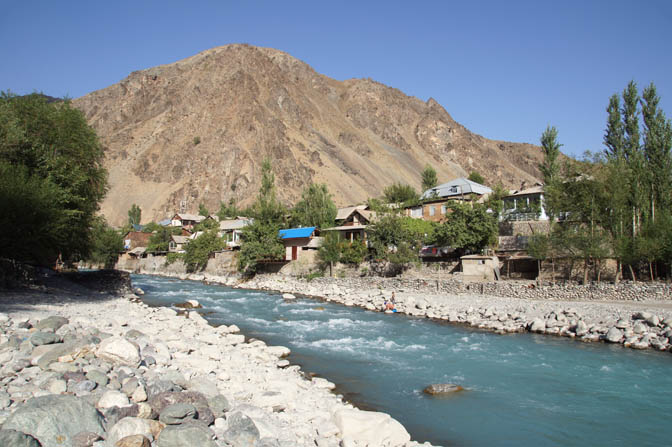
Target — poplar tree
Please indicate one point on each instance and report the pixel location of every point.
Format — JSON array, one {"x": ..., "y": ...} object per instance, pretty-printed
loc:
[{"x": 429, "y": 179}]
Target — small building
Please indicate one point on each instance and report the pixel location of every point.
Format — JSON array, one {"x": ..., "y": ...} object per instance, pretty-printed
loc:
[
  {"x": 436, "y": 201},
  {"x": 480, "y": 267},
  {"x": 525, "y": 204},
  {"x": 186, "y": 220},
  {"x": 177, "y": 243},
  {"x": 232, "y": 230},
  {"x": 352, "y": 224},
  {"x": 135, "y": 239},
  {"x": 297, "y": 240}
]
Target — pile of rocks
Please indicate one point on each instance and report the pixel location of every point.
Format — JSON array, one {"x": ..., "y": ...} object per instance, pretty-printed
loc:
[
  {"x": 613, "y": 322},
  {"x": 118, "y": 373}
]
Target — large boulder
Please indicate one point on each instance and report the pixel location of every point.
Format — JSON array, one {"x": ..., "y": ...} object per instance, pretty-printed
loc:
[
  {"x": 189, "y": 434},
  {"x": 442, "y": 389},
  {"x": 131, "y": 426},
  {"x": 241, "y": 432},
  {"x": 54, "y": 323},
  {"x": 177, "y": 413},
  {"x": 198, "y": 400},
  {"x": 370, "y": 428},
  {"x": 55, "y": 419},
  {"x": 13, "y": 438},
  {"x": 614, "y": 335},
  {"x": 120, "y": 351}
]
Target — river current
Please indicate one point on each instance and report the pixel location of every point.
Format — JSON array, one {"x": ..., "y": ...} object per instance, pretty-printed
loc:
[{"x": 520, "y": 389}]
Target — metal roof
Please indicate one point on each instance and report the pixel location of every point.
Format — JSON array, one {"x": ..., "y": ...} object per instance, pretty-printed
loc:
[
  {"x": 343, "y": 213},
  {"x": 292, "y": 233},
  {"x": 456, "y": 187},
  {"x": 234, "y": 224}
]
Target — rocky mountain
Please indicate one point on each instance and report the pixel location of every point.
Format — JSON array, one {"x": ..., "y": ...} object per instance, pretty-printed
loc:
[{"x": 198, "y": 130}]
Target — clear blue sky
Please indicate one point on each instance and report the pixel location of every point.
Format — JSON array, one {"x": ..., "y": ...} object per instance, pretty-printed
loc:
[{"x": 503, "y": 69}]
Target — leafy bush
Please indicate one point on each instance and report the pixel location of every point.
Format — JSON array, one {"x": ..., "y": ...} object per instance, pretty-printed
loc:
[
  {"x": 198, "y": 251},
  {"x": 353, "y": 253},
  {"x": 107, "y": 243},
  {"x": 260, "y": 242},
  {"x": 172, "y": 257}
]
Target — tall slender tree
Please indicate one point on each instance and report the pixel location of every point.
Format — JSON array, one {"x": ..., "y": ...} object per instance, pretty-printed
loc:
[{"x": 429, "y": 179}]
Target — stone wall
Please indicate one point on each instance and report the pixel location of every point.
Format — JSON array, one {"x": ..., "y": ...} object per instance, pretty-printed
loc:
[
  {"x": 514, "y": 289},
  {"x": 523, "y": 228}
]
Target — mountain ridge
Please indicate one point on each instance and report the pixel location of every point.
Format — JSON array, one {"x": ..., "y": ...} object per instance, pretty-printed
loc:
[{"x": 197, "y": 130}]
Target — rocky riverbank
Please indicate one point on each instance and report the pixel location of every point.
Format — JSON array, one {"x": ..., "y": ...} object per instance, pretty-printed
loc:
[
  {"x": 87, "y": 367},
  {"x": 636, "y": 321}
]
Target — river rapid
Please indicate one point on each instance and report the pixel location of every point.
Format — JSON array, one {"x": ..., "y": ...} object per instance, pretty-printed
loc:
[{"x": 519, "y": 388}]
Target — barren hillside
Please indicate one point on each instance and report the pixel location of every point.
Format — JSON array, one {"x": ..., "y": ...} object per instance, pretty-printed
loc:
[{"x": 198, "y": 130}]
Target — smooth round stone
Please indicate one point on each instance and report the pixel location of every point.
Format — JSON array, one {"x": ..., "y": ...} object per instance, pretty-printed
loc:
[
  {"x": 44, "y": 338},
  {"x": 98, "y": 376},
  {"x": 85, "y": 386},
  {"x": 15, "y": 438},
  {"x": 177, "y": 413}
]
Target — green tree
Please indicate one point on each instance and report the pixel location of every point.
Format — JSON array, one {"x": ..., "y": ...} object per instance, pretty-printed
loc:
[
  {"x": 329, "y": 252},
  {"x": 267, "y": 208},
  {"x": 159, "y": 241},
  {"x": 469, "y": 227},
  {"x": 550, "y": 170},
  {"x": 134, "y": 215},
  {"x": 315, "y": 209},
  {"x": 392, "y": 241},
  {"x": 401, "y": 194},
  {"x": 51, "y": 146},
  {"x": 429, "y": 179},
  {"x": 198, "y": 251},
  {"x": 476, "y": 177},
  {"x": 203, "y": 210},
  {"x": 260, "y": 242},
  {"x": 107, "y": 244},
  {"x": 228, "y": 211}
]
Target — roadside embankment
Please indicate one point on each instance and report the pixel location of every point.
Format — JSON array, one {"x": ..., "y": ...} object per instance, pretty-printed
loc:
[
  {"x": 86, "y": 367},
  {"x": 640, "y": 317}
]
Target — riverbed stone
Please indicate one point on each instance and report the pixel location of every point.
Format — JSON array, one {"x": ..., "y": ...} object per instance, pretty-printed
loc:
[
  {"x": 85, "y": 439},
  {"x": 177, "y": 413},
  {"x": 219, "y": 405},
  {"x": 189, "y": 434},
  {"x": 15, "y": 438},
  {"x": 119, "y": 350},
  {"x": 198, "y": 400},
  {"x": 442, "y": 389},
  {"x": 241, "y": 430},
  {"x": 54, "y": 323},
  {"x": 133, "y": 441},
  {"x": 537, "y": 325},
  {"x": 55, "y": 419},
  {"x": 130, "y": 426},
  {"x": 614, "y": 335},
  {"x": 113, "y": 398},
  {"x": 44, "y": 338},
  {"x": 369, "y": 428}
]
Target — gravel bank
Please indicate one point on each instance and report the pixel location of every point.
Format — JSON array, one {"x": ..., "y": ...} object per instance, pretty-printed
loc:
[{"x": 89, "y": 368}]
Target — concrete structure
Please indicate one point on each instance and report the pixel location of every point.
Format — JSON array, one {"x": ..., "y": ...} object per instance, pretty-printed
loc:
[
  {"x": 297, "y": 240},
  {"x": 480, "y": 267}
]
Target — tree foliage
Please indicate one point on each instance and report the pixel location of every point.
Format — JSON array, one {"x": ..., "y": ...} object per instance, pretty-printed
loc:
[
  {"x": 160, "y": 240},
  {"x": 134, "y": 215},
  {"x": 198, "y": 251},
  {"x": 476, "y": 177},
  {"x": 429, "y": 179},
  {"x": 228, "y": 210},
  {"x": 260, "y": 242},
  {"x": 107, "y": 243},
  {"x": 203, "y": 210},
  {"x": 469, "y": 227},
  {"x": 267, "y": 208},
  {"x": 50, "y": 146},
  {"x": 329, "y": 252},
  {"x": 315, "y": 209},
  {"x": 402, "y": 194}
]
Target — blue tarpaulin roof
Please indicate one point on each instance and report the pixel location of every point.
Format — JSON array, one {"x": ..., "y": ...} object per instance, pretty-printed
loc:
[{"x": 292, "y": 233}]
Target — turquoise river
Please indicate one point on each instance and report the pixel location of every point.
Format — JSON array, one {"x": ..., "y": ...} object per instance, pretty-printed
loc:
[{"x": 521, "y": 389}]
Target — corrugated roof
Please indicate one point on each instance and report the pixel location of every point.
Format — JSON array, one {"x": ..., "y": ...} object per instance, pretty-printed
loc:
[
  {"x": 234, "y": 224},
  {"x": 343, "y": 213},
  {"x": 292, "y": 233},
  {"x": 538, "y": 189},
  {"x": 456, "y": 187},
  {"x": 195, "y": 217},
  {"x": 180, "y": 239}
]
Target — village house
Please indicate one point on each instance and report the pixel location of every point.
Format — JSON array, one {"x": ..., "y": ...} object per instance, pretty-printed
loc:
[
  {"x": 436, "y": 201},
  {"x": 352, "y": 222},
  {"x": 188, "y": 221},
  {"x": 232, "y": 230},
  {"x": 297, "y": 240},
  {"x": 525, "y": 204},
  {"x": 178, "y": 243},
  {"x": 135, "y": 239}
]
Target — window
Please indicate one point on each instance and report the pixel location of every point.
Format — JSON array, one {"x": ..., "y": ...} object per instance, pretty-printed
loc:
[
  {"x": 443, "y": 209},
  {"x": 416, "y": 212},
  {"x": 453, "y": 189},
  {"x": 432, "y": 210}
]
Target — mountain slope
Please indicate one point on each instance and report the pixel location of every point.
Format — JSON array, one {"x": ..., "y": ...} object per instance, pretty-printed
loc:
[{"x": 198, "y": 130}]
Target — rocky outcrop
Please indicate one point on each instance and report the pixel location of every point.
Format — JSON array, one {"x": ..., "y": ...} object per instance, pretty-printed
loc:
[{"x": 230, "y": 107}]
